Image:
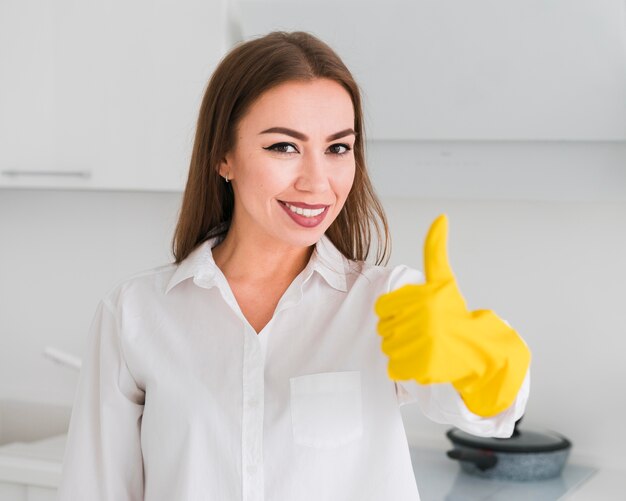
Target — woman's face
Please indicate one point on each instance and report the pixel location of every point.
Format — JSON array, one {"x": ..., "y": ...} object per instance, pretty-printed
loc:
[{"x": 293, "y": 151}]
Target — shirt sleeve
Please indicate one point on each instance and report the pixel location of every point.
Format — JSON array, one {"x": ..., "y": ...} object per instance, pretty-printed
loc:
[
  {"x": 103, "y": 459},
  {"x": 442, "y": 403}
]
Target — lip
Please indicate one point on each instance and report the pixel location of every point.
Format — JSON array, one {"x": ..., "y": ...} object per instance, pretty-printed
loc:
[
  {"x": 307, "y": 222},
  {"x": 303, "y": 205}
]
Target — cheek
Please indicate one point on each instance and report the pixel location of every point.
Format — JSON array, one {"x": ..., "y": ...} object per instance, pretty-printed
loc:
[
  {"x": 344, "y": 182},
  {"x": 262, "y": 177}
]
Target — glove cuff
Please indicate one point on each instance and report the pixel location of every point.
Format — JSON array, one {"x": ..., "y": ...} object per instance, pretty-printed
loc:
[{"x": 496, "y": 389}]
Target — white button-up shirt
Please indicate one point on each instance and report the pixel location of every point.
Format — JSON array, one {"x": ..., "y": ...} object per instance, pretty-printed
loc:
[{"x": 179, "y": 399}]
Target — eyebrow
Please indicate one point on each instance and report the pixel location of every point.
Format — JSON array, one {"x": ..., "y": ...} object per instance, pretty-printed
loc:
[{"x": 304, "y": 137}]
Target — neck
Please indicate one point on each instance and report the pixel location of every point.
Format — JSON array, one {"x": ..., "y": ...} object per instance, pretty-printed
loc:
[{"x": 254, "y": 260}]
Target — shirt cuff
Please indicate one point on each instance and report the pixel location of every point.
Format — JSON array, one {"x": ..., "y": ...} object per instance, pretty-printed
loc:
[{"x": 442, "y": 404}]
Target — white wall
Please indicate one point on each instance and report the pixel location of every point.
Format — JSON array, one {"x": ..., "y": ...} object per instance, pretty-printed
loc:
[
  {"x": 60, "y": 252},
  {"x": 554, "y": 270}
]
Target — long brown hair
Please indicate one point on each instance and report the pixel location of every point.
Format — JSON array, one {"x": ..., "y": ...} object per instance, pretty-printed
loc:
[{"x": 249, "y": 69}]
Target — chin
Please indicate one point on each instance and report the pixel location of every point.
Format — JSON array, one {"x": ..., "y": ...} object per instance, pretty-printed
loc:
[
  {"x": 302, "y": 238},
  {"x": 305, "y": 240}
]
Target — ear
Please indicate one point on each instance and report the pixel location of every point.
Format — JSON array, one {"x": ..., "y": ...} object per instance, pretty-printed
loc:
[{"x": 225, "y": 167}]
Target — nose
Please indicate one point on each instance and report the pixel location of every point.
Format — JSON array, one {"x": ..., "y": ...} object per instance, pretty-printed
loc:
[{"x": 313, "y": 175}]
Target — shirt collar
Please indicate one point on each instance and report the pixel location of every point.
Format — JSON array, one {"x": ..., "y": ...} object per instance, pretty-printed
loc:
[
  {"x": 326, "y": 259},
  {"x": 329, "y": 262}
]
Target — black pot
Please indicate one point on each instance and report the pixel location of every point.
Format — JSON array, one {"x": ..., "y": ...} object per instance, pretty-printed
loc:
[{"x": 525, "y": 456}]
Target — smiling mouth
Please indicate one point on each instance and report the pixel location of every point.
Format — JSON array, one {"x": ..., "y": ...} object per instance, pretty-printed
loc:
[{"x": 305, "y": 210}]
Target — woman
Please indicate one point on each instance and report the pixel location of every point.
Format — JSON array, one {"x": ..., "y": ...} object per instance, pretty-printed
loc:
[{"x": 250, "y": 368}]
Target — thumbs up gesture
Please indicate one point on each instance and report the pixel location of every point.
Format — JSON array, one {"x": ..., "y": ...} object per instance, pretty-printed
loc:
[{"x": 430, "y": 336}]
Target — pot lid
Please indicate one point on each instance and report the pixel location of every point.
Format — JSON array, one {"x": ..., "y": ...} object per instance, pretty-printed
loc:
[{"x": 520, "y": 441}]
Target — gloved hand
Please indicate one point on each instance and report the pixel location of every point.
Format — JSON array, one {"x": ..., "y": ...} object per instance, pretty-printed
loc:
[{"x": 430, "y": 336}]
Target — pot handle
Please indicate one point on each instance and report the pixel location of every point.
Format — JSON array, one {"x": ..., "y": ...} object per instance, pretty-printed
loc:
[{"x": 482, "y": 460}]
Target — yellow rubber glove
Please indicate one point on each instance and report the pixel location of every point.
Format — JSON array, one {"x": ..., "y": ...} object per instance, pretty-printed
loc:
[{"x": 430, "y": 336}]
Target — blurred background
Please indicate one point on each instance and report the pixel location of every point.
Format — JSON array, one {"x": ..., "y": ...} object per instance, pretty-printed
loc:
[{"x": 508, "y": 116}]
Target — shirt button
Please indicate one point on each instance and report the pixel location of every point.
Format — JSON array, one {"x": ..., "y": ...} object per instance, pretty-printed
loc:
[
  {"x": 251, "y": 469},
  {"x": 253, "y": 402}
]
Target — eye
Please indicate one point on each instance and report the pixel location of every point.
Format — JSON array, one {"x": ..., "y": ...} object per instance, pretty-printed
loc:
[
  {"x": 280, "y": 148},
  {"x": 340, "y": 145}
]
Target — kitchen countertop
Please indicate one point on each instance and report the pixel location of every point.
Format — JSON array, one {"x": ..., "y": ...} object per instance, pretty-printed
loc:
[
  {"x": 33, "y": 463},
  {"x": 438, "y": 477}
]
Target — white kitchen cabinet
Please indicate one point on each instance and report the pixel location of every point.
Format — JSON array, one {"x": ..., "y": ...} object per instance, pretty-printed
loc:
[
  {"x": 103, "y": 95},
  {"x": 499, "y": 170},
  {"x": 453, "y": 70}
]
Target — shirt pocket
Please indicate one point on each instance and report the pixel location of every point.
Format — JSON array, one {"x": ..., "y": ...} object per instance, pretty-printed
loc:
[{"x": 326, "y": 408}]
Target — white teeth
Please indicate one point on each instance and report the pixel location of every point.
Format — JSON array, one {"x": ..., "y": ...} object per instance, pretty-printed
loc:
[{"x": 305, "y": 212}]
